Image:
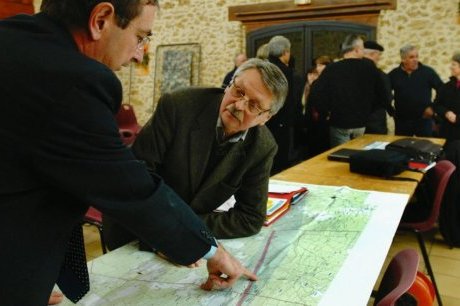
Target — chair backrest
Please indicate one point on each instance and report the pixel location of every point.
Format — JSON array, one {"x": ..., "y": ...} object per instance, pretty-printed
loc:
[
  {"x": 398, "y": 277},
  {"x": 126, "y": 116},
  {"x": 93, "y": 215},
  {"x": 438, "y": 180},
  {"x": 127, "y": 124}
]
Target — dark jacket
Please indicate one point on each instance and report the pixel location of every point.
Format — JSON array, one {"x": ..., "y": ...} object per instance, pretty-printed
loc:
[
  {"x": 177, "y": 143},
  {"x": 377, "y": 121},
  {"x": 284, "y": 124},
  {"x": 60, "y": 152},
  {"x": 228, "y": 78},
  {"x": 349, "y": 90},
  {"x": 413, "y": 92},
  {"x": 448, "y": 99}
]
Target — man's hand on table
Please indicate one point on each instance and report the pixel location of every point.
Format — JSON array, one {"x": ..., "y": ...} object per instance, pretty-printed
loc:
[{"x": 224, "y": 270}]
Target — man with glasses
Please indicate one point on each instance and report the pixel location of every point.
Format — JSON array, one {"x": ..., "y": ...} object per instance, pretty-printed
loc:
[
  {"x": 61, "y": 151},
  {"x": 210, "y": 144}
]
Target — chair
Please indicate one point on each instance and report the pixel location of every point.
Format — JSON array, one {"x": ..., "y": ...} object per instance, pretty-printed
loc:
[
  {"x": 436, "y": 182},
  {"x": 398, "y": 278},
  {"x": 127, "y": 124},
  {"x": 94, "y": 217}
]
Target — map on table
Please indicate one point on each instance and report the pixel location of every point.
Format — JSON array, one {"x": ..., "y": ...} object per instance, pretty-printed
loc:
[{"x": 296, "y": 259}]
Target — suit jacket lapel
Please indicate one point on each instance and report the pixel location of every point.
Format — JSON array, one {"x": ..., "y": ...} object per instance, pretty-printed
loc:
[
  {"x": 227, "y": 165},
  {"x": 201, "y": 140}
]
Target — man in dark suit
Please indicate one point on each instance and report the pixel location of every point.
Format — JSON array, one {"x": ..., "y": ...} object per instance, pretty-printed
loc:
[
  {"x": 209, "y": 145},
  {"x": 285, "y": 125},
  {"x": 61, "y": 151},
  {"x": 349, "y": 90},
  {"x": 377, "y": 121}
]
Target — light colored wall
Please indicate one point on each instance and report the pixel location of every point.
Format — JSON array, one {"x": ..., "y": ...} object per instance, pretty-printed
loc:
[
  {"x": 429, "y": 24},
  {"x": 194, "y": 21}
]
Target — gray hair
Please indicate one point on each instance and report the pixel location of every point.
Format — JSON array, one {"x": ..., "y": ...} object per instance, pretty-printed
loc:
[
  {"x": 406, "y": 49},
  {"x": 262, "y": 52},
  {"x": 456, "y": 57},
  {"x": 350, "y": 43},
  {"x": 272, "y": 77},
  {"x": 278, "y": 45}
]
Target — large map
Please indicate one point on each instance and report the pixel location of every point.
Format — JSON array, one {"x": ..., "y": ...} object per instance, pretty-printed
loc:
[{"x": 296, "y": 259}]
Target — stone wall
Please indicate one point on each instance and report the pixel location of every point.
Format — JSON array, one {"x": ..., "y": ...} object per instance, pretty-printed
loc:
[
  {"x": 429, "y": 24},
  {"x": 204, "y": 22}
]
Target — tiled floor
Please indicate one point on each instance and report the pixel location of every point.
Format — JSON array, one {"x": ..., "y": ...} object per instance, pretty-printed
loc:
[{"x": 445, "y": 261}]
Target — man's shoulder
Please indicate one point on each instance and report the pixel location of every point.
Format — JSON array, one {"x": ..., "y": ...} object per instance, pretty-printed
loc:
[
  {"x": 262, "y": 138},
  {"x": 197, "y": 93},
  {"x": 190, "y": 102},
  {"x": 426, "y": 69},
  {"x": 396, "y": 70}
]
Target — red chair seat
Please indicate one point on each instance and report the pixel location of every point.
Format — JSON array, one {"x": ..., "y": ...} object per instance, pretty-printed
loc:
[{"x": 127, "y": 124}]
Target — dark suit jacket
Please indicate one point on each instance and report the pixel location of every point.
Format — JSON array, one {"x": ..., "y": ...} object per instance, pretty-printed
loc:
[
  {"x": 285, "y": 124},
  {"x": 350, "y": 90},
  {"x": 448, "y": 99},
  {"x": 177, "y": 143},
  {"x": 59, "y": 152}
]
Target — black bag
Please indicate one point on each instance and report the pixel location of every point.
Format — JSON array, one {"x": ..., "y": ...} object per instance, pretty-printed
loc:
[
  {"x": 383, "y": 163},
  {"x": 417, "y": 149}
]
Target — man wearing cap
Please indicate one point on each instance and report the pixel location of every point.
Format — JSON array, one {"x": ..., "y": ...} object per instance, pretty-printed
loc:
[
  {"x": 377, "y": 121},
  {"x": 349, "y": 90}
]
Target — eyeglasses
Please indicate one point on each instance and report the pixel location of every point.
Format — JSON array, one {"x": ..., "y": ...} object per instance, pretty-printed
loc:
[
  {"x": 142, "y": 41},
  {"x": 253, "y": 107}
]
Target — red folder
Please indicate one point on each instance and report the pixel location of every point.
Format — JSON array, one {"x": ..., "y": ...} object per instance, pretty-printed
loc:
[{"x": 278, "y": 203}]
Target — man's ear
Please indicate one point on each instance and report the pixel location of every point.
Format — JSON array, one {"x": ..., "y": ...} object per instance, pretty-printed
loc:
[{"x": 100, "y": 18}]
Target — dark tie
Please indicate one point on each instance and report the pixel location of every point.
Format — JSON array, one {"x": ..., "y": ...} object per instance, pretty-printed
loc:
[{"x": 73, "y": 278}]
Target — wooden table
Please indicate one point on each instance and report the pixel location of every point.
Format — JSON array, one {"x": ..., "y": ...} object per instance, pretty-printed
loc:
[
  {"x": 307, "y": 257},
  {"x": 319, "y": 170}
]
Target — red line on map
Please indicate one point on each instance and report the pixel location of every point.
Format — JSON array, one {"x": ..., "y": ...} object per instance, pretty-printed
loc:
[{"x": 245, "y": 294}]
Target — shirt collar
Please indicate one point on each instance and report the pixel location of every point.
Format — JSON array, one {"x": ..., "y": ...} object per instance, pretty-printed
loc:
[{"x": 220, "y": 134}]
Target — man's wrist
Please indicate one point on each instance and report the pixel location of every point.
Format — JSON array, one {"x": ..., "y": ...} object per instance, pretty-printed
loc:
[{"x": 212, "y": 251}]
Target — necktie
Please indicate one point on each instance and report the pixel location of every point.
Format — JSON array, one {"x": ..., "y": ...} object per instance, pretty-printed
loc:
[{"x": 73, "y": 278}]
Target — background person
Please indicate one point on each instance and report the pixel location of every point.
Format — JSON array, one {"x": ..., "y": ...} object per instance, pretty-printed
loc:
[
  {"x": 377, "y": 121},
  {"x": 447, "y": 103},
  {"x": 348, "y": 90},
  {"x": 239, "y": 59},
  {"x": 316, "y": 123},
  {"x": 283, "y": 125},
  {"x": 262, "y": 52},
  {"x": 412, "y": 84}
]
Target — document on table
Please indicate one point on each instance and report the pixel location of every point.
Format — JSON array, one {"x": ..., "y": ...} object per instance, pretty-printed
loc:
[{"x": 376, "y": 145}]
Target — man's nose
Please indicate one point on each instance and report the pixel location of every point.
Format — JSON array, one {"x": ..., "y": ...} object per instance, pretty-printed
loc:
[
  {"x": 138, "y": 55},
  {"x": 240, "y": 103}
]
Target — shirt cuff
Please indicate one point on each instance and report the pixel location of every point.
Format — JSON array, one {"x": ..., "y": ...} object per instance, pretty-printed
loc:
[{"x": 212, "y": 251}]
